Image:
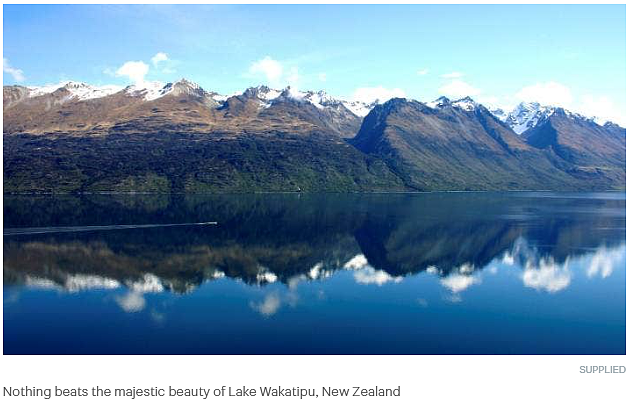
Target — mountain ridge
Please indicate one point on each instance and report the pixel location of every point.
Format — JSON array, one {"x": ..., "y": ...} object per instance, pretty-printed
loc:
[
  {"x": 522, "y": 117},
  {"x": 178, "y": 137}
]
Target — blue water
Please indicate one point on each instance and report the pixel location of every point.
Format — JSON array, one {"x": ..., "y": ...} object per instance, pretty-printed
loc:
[{"x": 440, "y": 273}]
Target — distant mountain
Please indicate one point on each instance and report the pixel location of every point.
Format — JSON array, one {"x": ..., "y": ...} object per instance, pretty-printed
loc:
[
  {"x": 524, "y": 116},
  {"x": 315, "y": 110},
  {"x": 458, "y": 145},
  {"x": 179, "y": 137},
  {"x": 594, "y": 152},
  {"x": 75, "y": 106}
]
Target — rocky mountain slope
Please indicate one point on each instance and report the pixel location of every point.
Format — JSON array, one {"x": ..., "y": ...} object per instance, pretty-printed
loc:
[
  {"x": 179, "y": 137},
  {"x": 457, "y": 145},
  {"x": 594, "y": 152}
]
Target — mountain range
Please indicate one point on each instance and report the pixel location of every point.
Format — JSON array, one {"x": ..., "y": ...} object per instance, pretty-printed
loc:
[{"x": 179, "y": 137}]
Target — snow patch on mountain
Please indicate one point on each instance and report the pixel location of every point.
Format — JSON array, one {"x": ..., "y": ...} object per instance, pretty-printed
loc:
[
  {"x": 467, "y": 104},
  {"x": 263, "y": 93},
  {"x": 526, "y": 115},
  {"x": 152, "y": 90},
  {"x": 77, "y": 90},
  {"x": 319, "y": 99},
  {"x": 439, "y": 103},
  {"x": 148, "y": 90},
  {"x": 219, "y": 98},
  {"x": 359, "y": 108},
  {"x": 500, "y": 114}
]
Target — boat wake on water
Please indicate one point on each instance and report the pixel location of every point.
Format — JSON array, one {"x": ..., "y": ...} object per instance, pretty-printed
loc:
[{"x": 84, "y": 228}]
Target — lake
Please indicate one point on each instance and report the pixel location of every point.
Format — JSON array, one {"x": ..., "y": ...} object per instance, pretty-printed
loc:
[{"x": 427, "y": 273}]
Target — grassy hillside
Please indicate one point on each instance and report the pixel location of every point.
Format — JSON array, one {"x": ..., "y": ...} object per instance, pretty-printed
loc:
[{"x": 190, "y": 163}]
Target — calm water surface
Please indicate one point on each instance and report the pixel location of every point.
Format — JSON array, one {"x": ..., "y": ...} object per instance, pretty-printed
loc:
[{"x": 440, "y": 273}]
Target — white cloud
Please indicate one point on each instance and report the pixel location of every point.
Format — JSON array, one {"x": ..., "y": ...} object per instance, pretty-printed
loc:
[
  {"x": 365, "y": 274},
  {"x": 602, "y": 108},
  {"x": 466, "y": 268},
  {"x": 134, "y": 70},
  {"x": 357, "y": 262},
  {"x": 270, "y": 68},
  {"x": 148, "y": 283},
  {"x": 39, "y": 282},
  {"x": 266, "y": 277},
  {"x": 131, "y": 302},
  {"x": 459, "y": 282},
  {"x": 277, "y": 74},
  {"x": 323, "y": 77},
  {"x": 369, "y": 275},
  {"x": 422, "y": 72},
  {"x": 557, "y": 94},
  {"x": 109, "y": 71},
  {"x": 79, "y": 282},
  {"x": 380, "y": 94},
  {"x": 505, "y": 103},
  {"x": 293, "y": 78},
  {"x": 547, "y": 276},
  {"x": 17, "y": 74},
  {"x": 548, "y": 93},
  {"x": 318, "y": 272},
  {"x": 489, "y": 100},
  {"x": 453, "y": 298},
  {"x": 269, "y": 306},
  {"x": 454, "y": 74},
  {"x": 493, "y": 102},
  {"x": 604, "y": 260},
  {"x": 159, "y": 57},
  {"x": 458, "y": 89}
]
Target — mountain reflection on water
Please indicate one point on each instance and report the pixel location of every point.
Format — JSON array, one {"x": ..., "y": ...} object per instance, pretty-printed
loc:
[{"x": 274, "y": 243}]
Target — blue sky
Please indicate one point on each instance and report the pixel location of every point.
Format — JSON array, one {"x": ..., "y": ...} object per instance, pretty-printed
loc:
[{"x": 572, "y": 56}]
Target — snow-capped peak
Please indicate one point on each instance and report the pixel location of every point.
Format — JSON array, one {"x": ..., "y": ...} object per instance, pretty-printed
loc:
[
  {"x": 466, "y": 103},
  {"x": 526, "y": 115},
  {"x": 439, "y": 102},
  {"x": 188, "y": 83},
  {"x": 262, "y": 92},
  {"x": 78, "y": 90},
  {"x": 359, "y": 108},
  {"x": 152, "y": 90},
  {"x": 320, "y": 99},
  {"x": 292, "y": 93},
  {"x": 148, "y": 90},
  {"x": 184, "y": 87}
]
